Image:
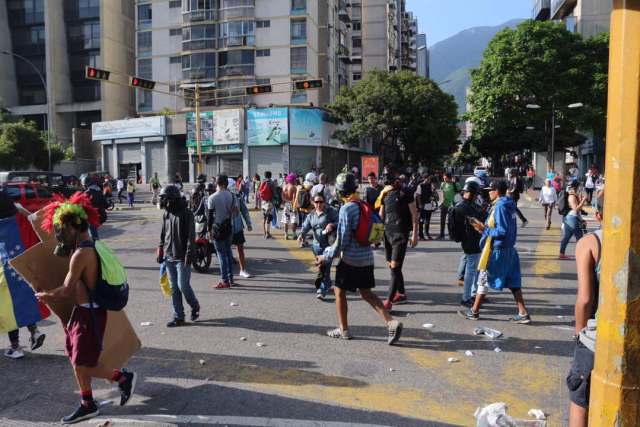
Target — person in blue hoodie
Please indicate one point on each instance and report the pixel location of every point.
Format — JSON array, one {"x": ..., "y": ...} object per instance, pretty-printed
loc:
[{"x": 499, "y": 263}]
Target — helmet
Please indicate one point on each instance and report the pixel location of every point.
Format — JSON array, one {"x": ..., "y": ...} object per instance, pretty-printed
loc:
[
  {"x": 346, "y": 184},
  {"x": 311, "y": 177},
  {"x": 471, "y": 187},
  {"x": 210, "y": 187},
  {"x": 86, "y": 180},
  {"x": 170, "y": 192},
  {"x": 201, "y": 179},
  {"x": 474, "y": 179}
]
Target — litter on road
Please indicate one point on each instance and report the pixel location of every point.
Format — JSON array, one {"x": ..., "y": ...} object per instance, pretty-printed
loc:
[
  {"x": 259, "y": 344},
  {"x": 491, "y": 333},
  {"x": 427, "y": 325},
  {"x": 452, "y": 360},
  {"x": 234, "y": 304},
  {"x": 146, "y": 323},
  {"x": 469, "y": 353},
  {"x": 497, "y": 350}
]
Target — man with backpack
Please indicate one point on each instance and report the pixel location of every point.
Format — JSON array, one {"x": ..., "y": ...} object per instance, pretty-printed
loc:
[
  {"x": 398, "y": 211},
  {"x": 427, "y": 200},
  {"x": 266, "y": 193},
  {"x": 84, "y": 332},
  {"x": 302, "y": 202},
  {"x": 322, "y": 187},
  {"x": 222, "y": 205},
  {"x": 98, "y": 201},
  {"x": 355, "y": 270},
  {"x": 461, "y": 231},
  {"x": 176, "y": 250}
]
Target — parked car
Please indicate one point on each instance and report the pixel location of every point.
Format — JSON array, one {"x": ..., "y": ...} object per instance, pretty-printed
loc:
[
  {"x": 32, "y": 196},
  {"x": 53, "y": 181}
]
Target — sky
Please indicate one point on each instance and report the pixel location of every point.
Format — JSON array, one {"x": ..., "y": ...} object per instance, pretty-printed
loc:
[{"x": 441, "y": 19}]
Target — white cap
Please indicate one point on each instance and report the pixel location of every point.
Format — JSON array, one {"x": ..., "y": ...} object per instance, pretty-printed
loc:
[{"x": 311, "y": 177}]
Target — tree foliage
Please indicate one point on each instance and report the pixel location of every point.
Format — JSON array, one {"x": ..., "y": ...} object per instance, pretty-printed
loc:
[
  {"x": 399, "y": 109},
  {"x": 537, "y": 63},
  {"x": 22, "y": 146}
]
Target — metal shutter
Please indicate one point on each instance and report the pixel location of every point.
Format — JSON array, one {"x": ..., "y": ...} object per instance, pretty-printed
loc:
[
  {"x": 107, "y": 160},
  {"x": 128, "y": 153},
  {"x": 210, "y": 166},
  {"x": 263, "y": 159},
  {"x": 231, "y": 165},
  {"x": 302, "y": 159},
  {"x": 155, "y": 160}
]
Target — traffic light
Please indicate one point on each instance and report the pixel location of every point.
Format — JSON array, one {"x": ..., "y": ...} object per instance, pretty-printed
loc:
[
  {"x": 308, "y": 84},
  {"x": 141, "y": 83},
  {"x": 96, "y": 73},
  {"x": 256, "y": 90}
]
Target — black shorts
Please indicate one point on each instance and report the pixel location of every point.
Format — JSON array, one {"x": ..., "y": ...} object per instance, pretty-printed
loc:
[
  {"x": 579, "y": 378},
  {"x": 238, "y": 238},
  {"x": 395, "y": 251},
  {"x": 350, "y": 278}
]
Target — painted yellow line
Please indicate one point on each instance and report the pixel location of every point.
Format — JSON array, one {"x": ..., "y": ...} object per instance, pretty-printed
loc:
[{"x": 547, "y": 256}]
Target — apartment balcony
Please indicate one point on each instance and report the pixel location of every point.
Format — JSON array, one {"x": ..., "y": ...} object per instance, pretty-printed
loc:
[
  {"x": 541, "y": 10},
  {"x": 343, "y": 12},
  {"x": 562, "y": 8},
  {"x": 199, "y": 15},
  {"x": 236, "y": 70},
  {"x": 343, "y": 54}
]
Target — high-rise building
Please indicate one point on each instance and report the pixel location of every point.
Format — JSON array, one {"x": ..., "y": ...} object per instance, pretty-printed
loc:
[
  {"x": 46, "y": 46},
  {"x": 587, "y": 17},
  {"x": 422, "y": 51}
]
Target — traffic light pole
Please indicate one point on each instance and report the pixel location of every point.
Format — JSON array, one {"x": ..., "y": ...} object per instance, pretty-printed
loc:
[
  {"x": 615, "y": 380},
  {"x": 198, "y": 143}
]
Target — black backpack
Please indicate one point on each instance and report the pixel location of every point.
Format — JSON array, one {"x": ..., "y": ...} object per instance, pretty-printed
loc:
[
  {"x": 563, "y": 203},
  {"x": 454, "y": 234},
  {"x": 99, "y": 202}
]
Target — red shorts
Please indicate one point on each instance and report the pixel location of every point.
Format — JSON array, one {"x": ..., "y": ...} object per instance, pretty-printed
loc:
[{"x": 83, "y": 339}]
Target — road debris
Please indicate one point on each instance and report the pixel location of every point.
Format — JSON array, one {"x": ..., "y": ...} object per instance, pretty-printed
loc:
[
  {"x": 497, "y": 350},
  {"x": 234, "y": 304},
  {"x": 146, "y": 323},
  {"x": 202, "y": 362},
  {"x": 243, "y": 338},
  {"x": 452, "y": 360},
  {"x": 469, "y": 353},
  {"x": 491, "y": 333},
  {"x": 260, "y": 344},
  {"x": 427, "y": 325},
  {"x": 538, "y": 414}
]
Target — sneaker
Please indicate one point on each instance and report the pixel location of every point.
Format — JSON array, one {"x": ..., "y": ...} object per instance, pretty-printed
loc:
[
  {"x": 223, "y": 285},
  {"x": 339, "y": 333},
  {"x": 195, "y": 314},
  {"x": 399, "y": 299},
  {"x": 468, "y": 303},
  {"x": 523, "y": 319},
  {"x": 14, "y": 353},
  {"x": 127, "y": 386},
  {"x": 245, "y": 274},
  {"x": 286, "y": 236},
  {"x": 387, "y": 305},
  {"x": 395, "y": 331},
  {"x": 84, "y": 412},
  {"x": 469, "y": 314},
  {"x": 175, "y": 323},
  {"x": 36, "y": 340},
  {"x": 563, "y": 257}
]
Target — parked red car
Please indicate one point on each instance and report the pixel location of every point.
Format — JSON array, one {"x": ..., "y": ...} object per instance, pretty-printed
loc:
[{"x": 32, "y": 196}]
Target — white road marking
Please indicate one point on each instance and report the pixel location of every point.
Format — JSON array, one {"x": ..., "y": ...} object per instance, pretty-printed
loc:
[{"x": 222, "y": 420}]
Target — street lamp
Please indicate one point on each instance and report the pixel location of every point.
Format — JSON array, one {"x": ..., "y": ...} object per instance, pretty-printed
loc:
[
  {"x": 553, "y": 126},
  {"x": 46, "y": 97}
]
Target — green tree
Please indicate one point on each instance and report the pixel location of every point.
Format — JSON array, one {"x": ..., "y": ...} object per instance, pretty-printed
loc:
[
  {"x": 400, "y": 111},
  {"x": 535, "y": 63},
  {"x": 23, "y": 146}
]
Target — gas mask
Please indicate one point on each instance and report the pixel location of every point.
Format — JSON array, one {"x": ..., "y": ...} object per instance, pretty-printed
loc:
[{"x": 66, "y": 242}]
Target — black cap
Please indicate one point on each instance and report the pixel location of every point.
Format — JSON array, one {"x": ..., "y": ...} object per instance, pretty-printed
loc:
[
  {"x": 471, "y": 187},
  {"x": 499, "y": 184}
]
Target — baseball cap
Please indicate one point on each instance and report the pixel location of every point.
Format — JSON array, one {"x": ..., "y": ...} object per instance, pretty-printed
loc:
[{"x": 498, "y": 185}]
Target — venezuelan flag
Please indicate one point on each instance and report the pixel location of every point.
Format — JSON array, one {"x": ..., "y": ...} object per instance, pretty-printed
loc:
[{"x": 18, "y": 304}]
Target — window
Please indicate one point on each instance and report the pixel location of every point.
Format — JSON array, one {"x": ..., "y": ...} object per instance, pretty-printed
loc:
[
  {"x": 144, "y": 43},
  {"x": 263, "y": 24},
  {"x": 263, "y": 52},
  {"x": 298, "y": 60},
  {"x": 175, "y": 31},
  {"x": 263, "y": 82},
  {"x": 237, "y": 33},
  {"x": 199, "y": 37},
  {"x": 356, "y": 26},
  {"x": 13, "y": 192},
  {"x": 230, "y": 9},
  {"x": 298, "y": 96},
  {"x": 198, "y": 10},
  {"x": 173, "y": 4},
  {"x": 43, "y": 193},
  {"x": 299, "y": 32},
  {"x": 84, "y": 36},
  {"x": 145, "y": 70},
  {"x": 298, "y": 7},
  {"x": 144, "y": 16},
  {"x": 198, "y": 65},
  {"x": 175, "y": 60},
  {"x": 236, "y": 62},
  {"x": 357, "y": 76},
  {"x": 145, "y": 100},
  {"x": 356, "y": 42}
]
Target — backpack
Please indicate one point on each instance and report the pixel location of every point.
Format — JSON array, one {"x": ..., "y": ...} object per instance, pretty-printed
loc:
[
  {"x": 563, "y": 203},
  {"x": 370, "y": 229},
  {"x": 99, "y": 202},
  {"x": 111, "y": 291},
  {"x": 454, "y": 234},
  {"x": 303, "y": 199},
  {"x": 266, "y": 191}
]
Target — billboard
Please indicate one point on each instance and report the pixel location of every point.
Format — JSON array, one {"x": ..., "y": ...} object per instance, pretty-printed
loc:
[
  {"x": 206, "y": 129},
  {"x": 307, "y": 127},
  {"x": 226, "y": 126},
  {"x": 370, "y": 164},
  {"x": 129, "y": 128},
  {"x": 268, "y": 126}
]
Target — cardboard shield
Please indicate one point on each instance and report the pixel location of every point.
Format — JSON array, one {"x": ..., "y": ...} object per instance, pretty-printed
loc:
[{"x": 44, "y": 272}]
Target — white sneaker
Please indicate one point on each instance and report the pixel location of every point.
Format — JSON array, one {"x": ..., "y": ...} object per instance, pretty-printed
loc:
[
  {"x": 14, "y": 353},
  {"x": 245, "y": 274}
]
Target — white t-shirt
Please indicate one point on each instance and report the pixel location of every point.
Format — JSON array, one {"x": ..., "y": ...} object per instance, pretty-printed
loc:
[{"x": 548, "y": 195}]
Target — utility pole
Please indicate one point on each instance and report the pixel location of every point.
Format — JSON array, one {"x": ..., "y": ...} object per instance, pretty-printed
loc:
[
  {"x": 553, "y": 137},
  {"x": 198, "y": 142},
  {"x": 615, "y": 379}
]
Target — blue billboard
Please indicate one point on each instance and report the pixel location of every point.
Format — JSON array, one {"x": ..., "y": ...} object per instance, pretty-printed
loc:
[{"x": 268, "y": 126}]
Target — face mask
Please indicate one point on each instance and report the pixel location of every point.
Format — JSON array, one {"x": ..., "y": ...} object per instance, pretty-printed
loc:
[{"x": 66, "y": 242}]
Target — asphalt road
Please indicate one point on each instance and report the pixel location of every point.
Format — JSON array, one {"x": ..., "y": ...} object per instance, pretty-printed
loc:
[{"x": 205, "y": 374}]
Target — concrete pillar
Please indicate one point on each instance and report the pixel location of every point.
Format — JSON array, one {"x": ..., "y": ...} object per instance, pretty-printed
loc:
[
  {"x": 8, "y": 83},
  {"x": 144, "y": 160},
  {"x": 615, "y": 380}
]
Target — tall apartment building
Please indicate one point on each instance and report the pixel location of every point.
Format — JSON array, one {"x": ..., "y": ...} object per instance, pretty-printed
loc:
[
  {"x": 422, "y": 52},
  {"x": 587, "y": 17},
  {"x": 60, "y": 38},
  {"x": 228, "y": 45}
]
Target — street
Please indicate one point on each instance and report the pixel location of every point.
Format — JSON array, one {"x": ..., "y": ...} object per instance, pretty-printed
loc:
[{"x": 214, "y": 372}]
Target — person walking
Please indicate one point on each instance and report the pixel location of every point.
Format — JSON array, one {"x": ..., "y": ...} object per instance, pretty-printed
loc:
[
  {"x": 239, "y": 218},
  {"x": 120, "y": 186},
  {"x": 531, "y": 175},
  {"x": 154, "y": 186},
  {"x": 221, "y": 207},
  {"x": 266, "y": 191},
  {"x": 322, "y": 187},
  {"x": 355, "y": 272},
  {"x": 591, "y": 178},
  {"x": 548, "y": 199},
  {"x": 516, "y": 187},
  {"x": 256, "y": 191},
  {"x": 399, "y": 214},
  {"x": 572, "y": 221},
  {"x": 289, "y": 215},
  {"x": 427, "y": 202},
  {"x": 373, "y": 190},
  {"x": 469, "y": 240},
  {"x": 98, "y": 201},
  {"x": 449, "y": 190},
  {"x": 131, "y": 189},
  {"x": 176, "y": 250},
  {"x": 499, "y": 265},
  {"x": 322, "y": 221}
]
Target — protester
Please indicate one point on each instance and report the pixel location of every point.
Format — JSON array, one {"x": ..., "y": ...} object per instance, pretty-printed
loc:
[
  {"x": 266, "y": 192},
  {"x": 557, "y": 183},
  {"x": 177, "y": 181},
  {"x": 548, "y": 199},
  {"x": 372, "y": 192},
  {"x": 516, "y": 187},
  {"x": 85, "y": 330},
  {"x": 154, "y": 187},
  {"x": 221, "y": 206},
  {"x": 572, "y": 221},
  {"x": 198, "y": 192},
  {"x": 400, "y": 218},
  {"x": 107, "y": 189},
  {"x": 427, "y": 201},
  {"x": 531, "y": 175},
  {"x": 131, "y": 189},
  {"x": 98, "y": 201},
  {"x": 469, "y": 239},
  {"x": 302, "y": 201},
  {"x": 591, "y": 178},
  {"x": 355, "y": 270},
  {"x": 176, "y": 250},
  {"x": 289, "y": 215},
  {"x": 322, "y": 221},
  {"x": 256, "y": 191},
  {"x": 588, "y": 265},
  {"x": 239, "y": 218},
  {"x": 499, "y": 265},
  {"x": 322, "y": 187},
  {"x": 449, "y": 190}
]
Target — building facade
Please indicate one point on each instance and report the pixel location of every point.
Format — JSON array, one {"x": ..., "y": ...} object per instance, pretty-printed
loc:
[
  {"x": 60, "y": 38},
  {"x": 422, "y": 52}
]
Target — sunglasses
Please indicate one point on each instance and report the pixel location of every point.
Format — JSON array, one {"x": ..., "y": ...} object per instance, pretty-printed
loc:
[{"x": 318, "y": 201}]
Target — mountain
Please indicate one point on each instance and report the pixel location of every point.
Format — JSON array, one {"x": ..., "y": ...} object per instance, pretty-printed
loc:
[{"x": 451, "y": 59}]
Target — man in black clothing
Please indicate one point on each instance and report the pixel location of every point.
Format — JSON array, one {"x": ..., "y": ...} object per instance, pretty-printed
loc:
[
  {"x": 469, "y": 240},
  {"x": 97, "y": 200},
  {"x": 400, "y": 216},
  {"x": 426, "y": 200},
  {"x": 516, "y": 186},
  {"x": 372, "y": 192}
]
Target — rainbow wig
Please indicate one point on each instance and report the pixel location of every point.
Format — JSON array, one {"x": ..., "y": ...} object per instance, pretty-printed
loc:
[{"x": 75, "y": 210}]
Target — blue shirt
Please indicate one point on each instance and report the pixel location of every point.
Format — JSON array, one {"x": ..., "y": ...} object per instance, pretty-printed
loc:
[
  {"x": 353, "y": 253},
  {"x": 317, "y": 223},
  {"x": 505, "y": 232}
]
